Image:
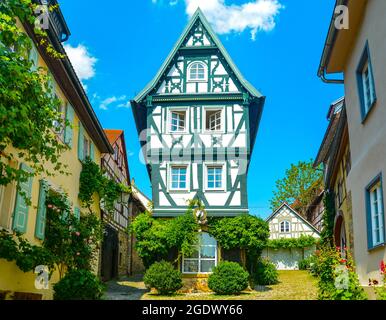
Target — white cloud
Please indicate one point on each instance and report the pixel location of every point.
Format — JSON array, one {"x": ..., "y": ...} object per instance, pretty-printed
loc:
[
  {"x": 125, "y": 105},
  {"x": 257, "y": 15},
  {"x": 82, "y": 60},
  {"x": 107, "y": 102}
]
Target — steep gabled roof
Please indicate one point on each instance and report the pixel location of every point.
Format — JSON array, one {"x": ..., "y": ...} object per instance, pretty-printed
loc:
[
  {"x": 197, "y": 16},
  {"x": 113, "y": 135},
  {"x": 285, "y": 204}
]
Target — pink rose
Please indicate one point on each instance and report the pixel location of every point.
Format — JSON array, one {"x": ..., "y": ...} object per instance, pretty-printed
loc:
[
  {"x": 50, "y": 206},
  {"x": 77, "y": 234}
]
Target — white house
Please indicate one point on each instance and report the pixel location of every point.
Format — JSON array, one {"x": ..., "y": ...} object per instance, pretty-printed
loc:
[{"x": 285, "y": 222}]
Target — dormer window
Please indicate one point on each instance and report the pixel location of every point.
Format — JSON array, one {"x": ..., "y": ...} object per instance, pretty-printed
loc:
[{"x": 197, "y": 72}]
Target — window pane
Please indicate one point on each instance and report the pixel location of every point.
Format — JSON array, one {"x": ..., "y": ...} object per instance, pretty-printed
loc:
[
  {"x": 190, "y": 266},
  {"x": 208, "y": 252},
  {"x": 207, "y": 265},
  {"x": 207, "y": 239}
]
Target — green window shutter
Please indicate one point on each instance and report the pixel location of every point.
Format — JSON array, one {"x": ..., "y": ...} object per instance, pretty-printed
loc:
[
  {"x": 20, "y": 215},
  {"x": 77, "y": 213},
  {"x": 40, "y": 226},
  {"x": 92, "y": 151},
  {"x": 81, "y": 142},
  {"x": 68, "y": 134},
  {"x": 34, "y": 57}
]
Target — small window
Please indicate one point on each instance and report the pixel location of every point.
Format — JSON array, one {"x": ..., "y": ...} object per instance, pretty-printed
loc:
[
  {"x": 366, "y": 83},
  {"x": 204, "y": 256},
  {"x": 197, "y": 72},
  {"x": 213, "y": 120},
  {"x": 285, "y": 227},
  {"x": 179, "y": 177},
  {"x": 214, "y": 177},
  {"x": 116, "y": 153},
  {"x": 375, "y": 214},
  {"x": 59, "y": 128},
  {"x": 177, "y": 121},
  {"x": 348, "y": 162},
  {"x": 86, "y": 147}
]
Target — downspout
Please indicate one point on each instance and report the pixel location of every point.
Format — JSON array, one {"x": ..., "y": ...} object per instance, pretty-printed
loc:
[{"x": 322, "y": 76}]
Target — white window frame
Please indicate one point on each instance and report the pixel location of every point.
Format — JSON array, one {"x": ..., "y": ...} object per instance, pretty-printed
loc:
[
  {"x": 169, "y": 120},
  {"x": 223, "y": 176},
  {"x": 179, "y": 165},
  {"x": 367, "y": 83},
  {"x": 199, "y": 259},
  {"x": 285, "y": 223},
  {"x": 11, "y": 189},
  {"x": 205, "y": 79},
  {"x": 376, "y": 214},
  {"x": 213, "y": 108}
]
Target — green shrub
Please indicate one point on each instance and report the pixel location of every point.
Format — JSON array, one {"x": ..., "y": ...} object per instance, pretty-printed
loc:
[
  {"x": 79, "y": 285},
  {"x": 304, "y": 264},
  {"x": 266, "y": 273},
  {"x": 228, "y": 278},
  {"x": 163, "y": 277},
  {"x": 381, "y": 293},
  {"x": 308, "y": 263},
  {"x": 337, "y": 277}
]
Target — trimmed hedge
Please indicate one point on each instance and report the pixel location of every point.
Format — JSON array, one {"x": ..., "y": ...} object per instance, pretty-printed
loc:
[
  {"x": 228, "y": 278},
  {"x": 163, "y": 277}
]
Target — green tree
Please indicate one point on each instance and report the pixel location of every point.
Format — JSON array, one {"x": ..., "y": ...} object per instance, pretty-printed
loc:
[
  {"x": 28, "y": 105},
  {"x": 299, "y": 186}
]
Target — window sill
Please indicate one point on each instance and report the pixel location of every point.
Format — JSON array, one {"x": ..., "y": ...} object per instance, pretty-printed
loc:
[
  {"x": 178, "y": 190},
  {"x": 378, "y": 246},
  {"x": 215, "y": 190},
  {"x": 197, "y": 81},
  {"x": 366, "y": 116}
]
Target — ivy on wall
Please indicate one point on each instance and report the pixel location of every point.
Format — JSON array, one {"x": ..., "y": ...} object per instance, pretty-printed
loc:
[
  {"x": 70, "y": 242},
  {"x": 302, "y": 242},
  {"x": 327, "y": 234},
  {"x": 30, "y": 130},
  {"x": 92, "y": 180}
]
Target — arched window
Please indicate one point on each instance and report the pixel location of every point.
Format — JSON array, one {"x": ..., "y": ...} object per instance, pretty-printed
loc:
[
  {"x": 204, "y": 256},
  {"x": 285, "y": 226},
  {"x": 197, "y": 72}
]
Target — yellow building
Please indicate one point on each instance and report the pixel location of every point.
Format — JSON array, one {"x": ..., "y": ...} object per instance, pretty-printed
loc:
[
  {"x": 85, "y": 138},
  {"x": 335, "y": 155}
]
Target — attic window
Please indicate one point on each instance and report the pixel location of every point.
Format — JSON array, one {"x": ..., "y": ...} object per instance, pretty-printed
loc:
[{"x": 197, "y": 72}]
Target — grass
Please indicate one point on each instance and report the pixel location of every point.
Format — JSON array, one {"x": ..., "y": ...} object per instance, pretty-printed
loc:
[{"x": 293, "y": 285}]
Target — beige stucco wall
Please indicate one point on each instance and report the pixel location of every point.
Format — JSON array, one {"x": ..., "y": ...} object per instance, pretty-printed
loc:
[{"x": 368, "y": 140}]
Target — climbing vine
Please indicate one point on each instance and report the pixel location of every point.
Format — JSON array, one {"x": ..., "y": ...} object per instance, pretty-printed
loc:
[
  {"x": 93, "y": 180},
  {"x": 70, "y": 242},
  {"x": 157, "y": 237},
  {"x": 30, "y": 130},
  {"x": 292, "y": 243},
  {"x": 13, "y": 247},
  {"x": 327, "y": 234}
]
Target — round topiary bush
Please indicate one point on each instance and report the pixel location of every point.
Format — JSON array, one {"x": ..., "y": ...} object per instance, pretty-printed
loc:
[
  {"x": 79, "y": 285},
  {"x": 228, "y": 278},
  {"x": 266, "y": 273},
  {"x": 163, "y": 277}
]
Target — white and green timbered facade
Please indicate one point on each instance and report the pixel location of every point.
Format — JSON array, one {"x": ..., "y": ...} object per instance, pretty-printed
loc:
[{"x": 197, "y": 121}]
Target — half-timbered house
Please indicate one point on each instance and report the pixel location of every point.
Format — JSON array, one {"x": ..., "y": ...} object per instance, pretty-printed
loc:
[
  {"x": 197, "y": 120},
  {"x": 285, "y": 222}
]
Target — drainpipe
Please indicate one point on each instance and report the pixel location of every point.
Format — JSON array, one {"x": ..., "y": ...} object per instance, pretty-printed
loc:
[{"x": 322, "y": 76}]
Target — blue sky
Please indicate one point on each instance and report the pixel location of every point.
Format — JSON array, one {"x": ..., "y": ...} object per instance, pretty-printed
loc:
[{"x": 118, "y": 47}]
